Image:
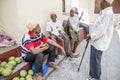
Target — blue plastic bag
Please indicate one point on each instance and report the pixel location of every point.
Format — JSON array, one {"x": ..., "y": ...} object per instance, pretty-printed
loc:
[{"x": 45, "y": 68}]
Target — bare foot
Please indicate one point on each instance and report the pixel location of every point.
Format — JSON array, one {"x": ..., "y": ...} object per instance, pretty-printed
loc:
[
  {"x": 52, "y": 65},
  {"x": 76, "y": 54},
  {"x": 38, "y": 76}
]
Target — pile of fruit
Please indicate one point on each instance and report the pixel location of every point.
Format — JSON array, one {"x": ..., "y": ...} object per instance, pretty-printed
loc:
[
  {"x": 7, "y": 67},
  {"x": 25, "y": 75}
]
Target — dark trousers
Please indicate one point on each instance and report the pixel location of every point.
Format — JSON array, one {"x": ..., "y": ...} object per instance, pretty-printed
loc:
[
  {"x": 67, "y": 45},
  {"x": 95, "y": 63},
  {"x": 38, "y": 58}
]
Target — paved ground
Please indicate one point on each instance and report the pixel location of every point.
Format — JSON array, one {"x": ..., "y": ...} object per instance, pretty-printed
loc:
[{"x": 110, "y": 64}]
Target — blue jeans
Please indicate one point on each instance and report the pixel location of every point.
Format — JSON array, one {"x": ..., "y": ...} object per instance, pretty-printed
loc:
[
  {"x": 85, "y": 26},
  {"x": 95, "y": 63}
]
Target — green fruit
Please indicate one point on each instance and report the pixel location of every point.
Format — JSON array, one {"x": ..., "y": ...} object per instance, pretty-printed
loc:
[
  {"x": 11, "y": 58},
  {"x": 16, "y": 78},
  {"x": 22, "y": 78},
  {"x": 1, "y": 69},
  {"x": 23, "y": 73},
  {"x": 45, "y": 44},
  {"x": 18, "y": 60},
  {"x": 9, "y": 66},
  {"x": 12, "y": 63},
  {"x": 6, "y": 72},
  {"x": 30, "y": 72},
  {"x": 3, "y": 64},
  {"x": 28, "y": 77}
]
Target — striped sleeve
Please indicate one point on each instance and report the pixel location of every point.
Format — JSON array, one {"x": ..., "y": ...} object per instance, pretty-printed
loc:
[
  {"x": 44, "y": 38},
  {"x": 28, "y": 44}
]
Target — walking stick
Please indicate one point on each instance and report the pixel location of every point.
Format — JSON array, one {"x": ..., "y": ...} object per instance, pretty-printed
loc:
[{"x": 83, "y": 55}]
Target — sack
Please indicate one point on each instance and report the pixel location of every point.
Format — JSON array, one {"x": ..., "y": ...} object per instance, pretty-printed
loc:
[{"x": 45, "y": 68}]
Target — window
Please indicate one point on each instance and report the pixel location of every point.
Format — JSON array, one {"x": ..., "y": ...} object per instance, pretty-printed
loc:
[
  {"x": 68, "y": 4},
  {"x": 116, "y": 6}
]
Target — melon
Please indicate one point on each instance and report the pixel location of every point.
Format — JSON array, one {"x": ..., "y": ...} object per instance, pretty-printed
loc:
[
  {"x": 11, "y": 58},
  {"x": 22, "y": 78},
  {"x": 23, "y": 73},
  {"x": 18, "y": 60},
  {"x": 1, "y": 69},
  {"x": 6, "y": 72},
  {"x": 3, "y": 64},
  {"x": 30, "y": 72},
  {"x": 12, "y": 62},
  {"x": 16, "y": 78}
]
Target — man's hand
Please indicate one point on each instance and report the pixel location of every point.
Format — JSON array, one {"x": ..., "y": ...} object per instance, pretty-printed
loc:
[
  {"x": 88, "y": 37},
  {"x": 59, "y": 37},
  {"x": 56, "y": 45},
  {"x": 45, "y": 47},
  {"x": 38, "y": 50},
  {"x": 63, "y": 51}
]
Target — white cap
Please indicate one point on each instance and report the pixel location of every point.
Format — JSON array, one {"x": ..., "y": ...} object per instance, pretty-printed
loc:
[
  {"x": 110, "y": 1},
  {"x": 31, "y": 26}
]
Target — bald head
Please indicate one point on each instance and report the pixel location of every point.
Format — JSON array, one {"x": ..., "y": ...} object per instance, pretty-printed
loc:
[{"x": 106, "y": 3}]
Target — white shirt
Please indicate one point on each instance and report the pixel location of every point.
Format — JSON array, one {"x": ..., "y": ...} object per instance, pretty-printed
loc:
[
  {"x": 118, "y": 29},
  {"x": 74, "y": 21},
  {"x": 103, "y": 30},
  {"x": 54, "y": 27}
]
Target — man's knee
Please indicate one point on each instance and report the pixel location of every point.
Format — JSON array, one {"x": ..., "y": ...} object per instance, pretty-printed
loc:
[
  {"x": 66, "y": 40},
  {"x": 40, "y": 55},
  {"x": 51, "y": 48}
]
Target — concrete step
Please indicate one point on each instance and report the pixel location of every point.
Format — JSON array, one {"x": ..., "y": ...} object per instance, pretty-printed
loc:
[
  {"x": 51, "y": 70},
  {"x": 6, "y": 52}
]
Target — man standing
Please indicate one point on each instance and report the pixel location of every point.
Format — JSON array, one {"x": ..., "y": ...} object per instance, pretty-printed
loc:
[
  {"x": 101, "y": 36},
  {"x": 33, "y": 51}
]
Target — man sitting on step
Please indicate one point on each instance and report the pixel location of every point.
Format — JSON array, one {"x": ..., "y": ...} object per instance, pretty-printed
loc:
[
  {"x": 71, "y": 27},
  {"x": 32, "y": 51},
  {"x": 55, "y": 31}
]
